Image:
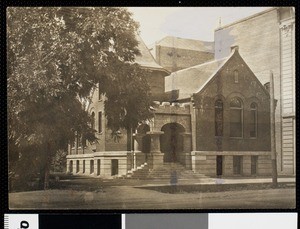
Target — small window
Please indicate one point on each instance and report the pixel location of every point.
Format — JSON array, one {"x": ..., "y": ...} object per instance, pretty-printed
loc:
[
  {"x": 236, "y": 117},
  {"x": 100, "y": 122},
  {"x": 237, "y": 165},
  {"x": 91, "y": 166},
  {"x": 71, "y": 167},
  {"x": 254, "y": 160},
  {"x": 236, "y": 76},
  {"x": 98, "y": 167},
  {"x": 253, "y": 120},
  {"x": 219, "y": 118},
  {"x": 114, "y": 167},
  {"x": 77, "y": 166},
  {"x": 83, "y": 166}
]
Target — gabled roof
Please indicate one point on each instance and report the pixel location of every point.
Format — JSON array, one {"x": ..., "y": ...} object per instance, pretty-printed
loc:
[
  {"x": 146, "y": 59},
  {"x": 191, "y": 80},
  {"x": 189, "y": 44}
]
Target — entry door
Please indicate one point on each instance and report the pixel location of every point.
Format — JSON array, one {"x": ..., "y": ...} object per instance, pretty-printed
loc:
[
  {"x": 219, "y": 165},
  {"x": 114, "y": 167}
]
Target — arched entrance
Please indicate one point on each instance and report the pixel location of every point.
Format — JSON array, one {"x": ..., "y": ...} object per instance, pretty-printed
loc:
[{"x": 171, "y": 142}]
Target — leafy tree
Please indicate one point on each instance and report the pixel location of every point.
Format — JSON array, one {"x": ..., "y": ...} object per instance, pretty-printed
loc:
[{"x": 56, "y": 56}]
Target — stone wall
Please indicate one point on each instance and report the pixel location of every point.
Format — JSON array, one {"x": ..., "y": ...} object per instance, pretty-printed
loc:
[
  {"x": 174, "y": 59},
  {"x": 206, "y": 162}
]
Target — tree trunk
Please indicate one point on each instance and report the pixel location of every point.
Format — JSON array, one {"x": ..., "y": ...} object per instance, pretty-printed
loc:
[{"x": 129, "y": 139}]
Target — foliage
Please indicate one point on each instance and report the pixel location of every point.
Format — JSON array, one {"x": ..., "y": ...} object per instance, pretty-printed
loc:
[{"x": 56, "y": 56}]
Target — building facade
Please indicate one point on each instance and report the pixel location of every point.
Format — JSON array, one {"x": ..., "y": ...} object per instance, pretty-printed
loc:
[
  {"x": 218, "y": 127},
  {"x": 267, "y": 43}
]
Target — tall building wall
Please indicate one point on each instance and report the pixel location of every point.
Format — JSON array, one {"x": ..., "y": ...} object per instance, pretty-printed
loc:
[
  {"x": 287, "y": 50},
  {"x": 174, "y": 59}
]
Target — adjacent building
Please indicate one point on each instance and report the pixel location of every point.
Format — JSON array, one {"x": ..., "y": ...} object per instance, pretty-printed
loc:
[
  {"x": 267, "y": 43},
  {"x": 175, "y": 53}
]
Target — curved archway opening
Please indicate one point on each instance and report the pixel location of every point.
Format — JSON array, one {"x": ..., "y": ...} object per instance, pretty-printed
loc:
[{"x": 171, "y": 142}]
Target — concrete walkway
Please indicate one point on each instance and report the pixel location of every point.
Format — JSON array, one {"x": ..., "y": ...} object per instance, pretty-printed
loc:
[{"x": 207, "y": 181}]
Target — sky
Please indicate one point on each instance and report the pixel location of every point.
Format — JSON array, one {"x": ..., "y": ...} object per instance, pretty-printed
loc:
[{"x": 186, "y": 22}]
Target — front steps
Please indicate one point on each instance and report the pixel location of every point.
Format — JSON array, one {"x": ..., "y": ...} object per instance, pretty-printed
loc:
[{"x": 164, "y": 173}]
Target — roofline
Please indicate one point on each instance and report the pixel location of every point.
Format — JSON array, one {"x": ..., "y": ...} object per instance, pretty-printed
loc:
[
  {"x": 150, "y": 53},
  {"x": 156, "y": 42},
  {"x": 157, "y": 69},
  {"x": 215, "y": 72},
  {"x": 247, "y": 18},
  {"x": 205, "y": 63},
  {"x": 234, "y": 52}
]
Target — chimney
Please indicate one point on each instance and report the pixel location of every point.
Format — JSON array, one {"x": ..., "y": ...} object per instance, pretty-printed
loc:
[{"x": 234, "y": 48}]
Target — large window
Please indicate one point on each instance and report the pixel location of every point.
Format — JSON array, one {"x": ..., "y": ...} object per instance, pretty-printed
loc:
[
  {"x": 219, "y": 118},
  {"x": 236, "y": 118},
  {"x": 253, "y": 120},
  {"x": 93, "y": 120}
]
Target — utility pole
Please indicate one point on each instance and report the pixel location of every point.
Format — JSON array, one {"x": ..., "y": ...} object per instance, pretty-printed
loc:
[{"x": 273, "y": 140}]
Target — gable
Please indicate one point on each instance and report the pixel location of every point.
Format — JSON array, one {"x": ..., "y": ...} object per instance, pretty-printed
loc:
[{"x": 234, "y": 78}]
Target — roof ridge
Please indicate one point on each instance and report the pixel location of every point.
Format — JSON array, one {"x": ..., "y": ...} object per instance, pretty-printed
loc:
[{"x": 203, "y": 64}]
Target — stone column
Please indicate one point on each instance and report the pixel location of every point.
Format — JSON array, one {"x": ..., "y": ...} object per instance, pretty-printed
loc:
[
  {"x": 185, "y": 156},
  {"x": 138, "y": 141},
  {"x": 156, "y": 157}
]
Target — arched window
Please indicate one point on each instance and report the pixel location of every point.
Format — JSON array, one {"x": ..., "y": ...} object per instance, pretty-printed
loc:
[
  {"x": 236, "y": 117},
  {"x": 219, "y": 118},
  {"x": 253, "y": 120},
  {"x": 93, "y": 120},
  {"x": 236, "y": 76}
]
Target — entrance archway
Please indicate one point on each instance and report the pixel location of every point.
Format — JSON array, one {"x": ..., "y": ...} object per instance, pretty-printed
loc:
[{"x": 171, "y": 142}]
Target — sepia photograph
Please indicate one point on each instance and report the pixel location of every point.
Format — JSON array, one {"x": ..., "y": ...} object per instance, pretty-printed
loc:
[{"x": 151, "y": 108}]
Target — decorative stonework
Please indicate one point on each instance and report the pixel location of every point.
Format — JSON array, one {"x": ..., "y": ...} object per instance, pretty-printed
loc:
[{"x": 286, "y": 27}]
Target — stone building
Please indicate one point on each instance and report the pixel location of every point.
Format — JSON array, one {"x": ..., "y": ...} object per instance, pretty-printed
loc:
[
  {"x": 218, "y": 123},
  {"x": 175, "y": 53},
  {"x": 267, "y": 43}
]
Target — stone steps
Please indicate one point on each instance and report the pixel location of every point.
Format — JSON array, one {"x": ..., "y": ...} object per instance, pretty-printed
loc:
[{"x": 164, "y": 173}]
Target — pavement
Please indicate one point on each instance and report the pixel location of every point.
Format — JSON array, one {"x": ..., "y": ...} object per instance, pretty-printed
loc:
[
  {"x": 207, "y": 193},
  {"x": 211, "y": 181}
]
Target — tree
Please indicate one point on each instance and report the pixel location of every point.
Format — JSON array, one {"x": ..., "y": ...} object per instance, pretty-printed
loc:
[{"x": 56, "y": 56}]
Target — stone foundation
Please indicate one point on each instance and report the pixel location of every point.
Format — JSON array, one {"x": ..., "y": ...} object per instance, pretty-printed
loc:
[{"x": 206, "y": 162}]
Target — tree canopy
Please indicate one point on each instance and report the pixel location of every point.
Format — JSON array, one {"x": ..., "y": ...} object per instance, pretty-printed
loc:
[{"x": 55, "y": 57}]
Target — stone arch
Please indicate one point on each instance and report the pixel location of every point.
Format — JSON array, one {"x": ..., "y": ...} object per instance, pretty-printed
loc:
[{"x": 171, "y": 142}]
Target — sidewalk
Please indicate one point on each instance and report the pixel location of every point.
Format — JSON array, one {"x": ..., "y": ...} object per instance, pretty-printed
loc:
[{"x": 211, "y": 181}]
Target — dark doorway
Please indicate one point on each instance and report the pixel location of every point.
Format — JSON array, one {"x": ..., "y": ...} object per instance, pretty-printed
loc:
[
  {"x": 171, "y": 142},
  {"x": 114, "y": 167},
  {"x": 254, "y": 160},
  {"x": 219, "y": 165}
]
